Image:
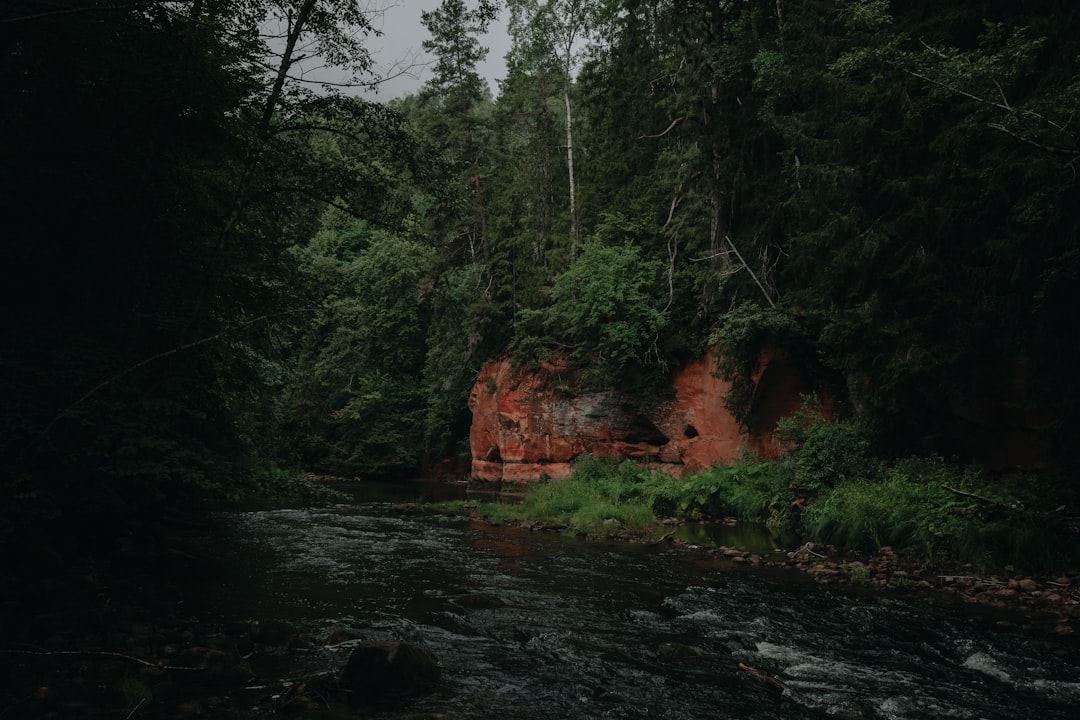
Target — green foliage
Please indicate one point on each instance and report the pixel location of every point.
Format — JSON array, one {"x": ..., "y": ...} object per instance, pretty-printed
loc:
[
  {"x": 457, "y": 344},
  {"x": 600, "y": 490},
  {"x": 599, "y": 494},
  {"x": 752, "y": 490},
  {"x": 909, "y": 509},
  {"x": 744, "y": 333},
  {"x": 355, "y": 405},
  {"x": 906, "y": 506},
  {"x": 834, "y": 453},
  {"x": 608, "y": 308},
  {"x": 793, "y": 431}
]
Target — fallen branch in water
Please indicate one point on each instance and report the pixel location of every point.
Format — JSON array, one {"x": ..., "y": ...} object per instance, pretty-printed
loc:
[
  {"x": 664, "y": 537},
  {"x": 808, "y": 548},
  {"x": 764, "y": 678}
]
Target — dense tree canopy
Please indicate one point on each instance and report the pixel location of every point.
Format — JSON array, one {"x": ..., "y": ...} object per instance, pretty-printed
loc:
[
  {"x": 158, "y": 158},
  {"x": 210, "y": 264}
]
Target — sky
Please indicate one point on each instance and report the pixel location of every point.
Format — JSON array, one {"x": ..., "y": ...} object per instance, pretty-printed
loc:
[{"x": 400, "y": 48}]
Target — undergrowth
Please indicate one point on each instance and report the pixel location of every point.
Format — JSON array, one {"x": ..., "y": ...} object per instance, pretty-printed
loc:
[
  {"x": 911, "y": 509},
  {"x": 604, "y": 492},
  {"x": 904, "y": 504}
]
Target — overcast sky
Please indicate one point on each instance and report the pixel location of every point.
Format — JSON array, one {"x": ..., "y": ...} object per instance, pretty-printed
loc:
[{"x": 401, "y": 47}]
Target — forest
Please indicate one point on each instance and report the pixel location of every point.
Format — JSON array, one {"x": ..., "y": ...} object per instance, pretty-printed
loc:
[{"x": 218, "y": 273}]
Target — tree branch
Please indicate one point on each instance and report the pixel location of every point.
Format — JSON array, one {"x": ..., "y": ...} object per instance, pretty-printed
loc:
[
  {"x": 1048, "y": 148},
  {"x": 162, "y": 355},
  {"x": 670, "y": 127},
  {"x": 87, "y": 10}
]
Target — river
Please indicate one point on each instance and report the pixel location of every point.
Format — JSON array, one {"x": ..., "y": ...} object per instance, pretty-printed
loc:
[{"x": 538, "y": 626}]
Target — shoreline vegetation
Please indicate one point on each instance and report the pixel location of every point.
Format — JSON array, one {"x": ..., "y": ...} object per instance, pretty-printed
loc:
[{"x": 917, "y": 525}]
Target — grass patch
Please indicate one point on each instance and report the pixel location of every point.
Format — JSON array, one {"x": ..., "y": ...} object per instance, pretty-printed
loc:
[
  {"x": 909, "y": 509},
  {"x": 902, "y": 504},
  {"x": 603, "y": 492},
  {"x": 599, "y": 493}
]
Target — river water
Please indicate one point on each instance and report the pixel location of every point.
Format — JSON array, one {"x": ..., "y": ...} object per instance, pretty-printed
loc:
[{"x": 544, "y": 626}]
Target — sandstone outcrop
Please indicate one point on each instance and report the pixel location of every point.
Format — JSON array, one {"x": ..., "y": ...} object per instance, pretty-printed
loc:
[{"x": 529, "y": 424}]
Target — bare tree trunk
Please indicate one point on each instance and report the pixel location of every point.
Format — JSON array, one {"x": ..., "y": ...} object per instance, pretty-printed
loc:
[
  {"x": 575, "y": 235},
  {"x": 718, "y": 228}
]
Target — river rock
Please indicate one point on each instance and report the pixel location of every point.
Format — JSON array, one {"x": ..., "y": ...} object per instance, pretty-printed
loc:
[
  {"x": 339, "y": 635},
  {"x": 678, "y": 650},
  {"x": 272, "y": 632},
  {"x": 382, "y": 669}
]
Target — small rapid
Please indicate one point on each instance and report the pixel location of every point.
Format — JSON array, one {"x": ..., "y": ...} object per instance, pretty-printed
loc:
[{"x": 542, "y": 626}]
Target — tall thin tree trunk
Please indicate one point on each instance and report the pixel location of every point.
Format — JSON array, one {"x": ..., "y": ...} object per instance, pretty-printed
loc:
[{"x": 575, "y": 236}]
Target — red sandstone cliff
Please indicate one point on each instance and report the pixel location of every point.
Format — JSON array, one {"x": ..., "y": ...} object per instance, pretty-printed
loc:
[{"x": 526, "y": 426}]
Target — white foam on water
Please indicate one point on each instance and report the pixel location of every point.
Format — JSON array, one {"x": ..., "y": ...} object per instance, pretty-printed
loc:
[{"x": 985, "y": 664}]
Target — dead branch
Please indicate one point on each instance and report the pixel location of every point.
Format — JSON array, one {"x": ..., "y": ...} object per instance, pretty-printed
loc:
[
  {"x": 664, "y": 537},
  {"x": 764, "y": 678},
  {"x": 162, "y": 355},
  {"x": 980, "y": 498},
  {"x": 101, "y": 653},
  {"x": 1055, "y": 519},
  {"x": 1033, "y": 143},
  {"x": 670, "y": 127},
  {"x": 764, "y": 292}
]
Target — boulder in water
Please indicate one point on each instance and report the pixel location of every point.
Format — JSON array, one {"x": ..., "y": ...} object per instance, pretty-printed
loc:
[
  {"x": 381, "y": 669},
  {"x": 277, "y": 633}
]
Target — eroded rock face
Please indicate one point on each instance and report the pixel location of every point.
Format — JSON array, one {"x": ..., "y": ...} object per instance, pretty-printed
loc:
[{"x": 527, "y": 425}]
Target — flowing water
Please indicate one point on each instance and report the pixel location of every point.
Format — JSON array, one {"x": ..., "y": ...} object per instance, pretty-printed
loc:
[{"x": 543, "y": 626}]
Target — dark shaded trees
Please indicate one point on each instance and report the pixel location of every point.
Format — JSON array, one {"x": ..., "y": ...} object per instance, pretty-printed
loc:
[
  {"x": 898, "y": 180},
  {"x": 155, "y": 163}
]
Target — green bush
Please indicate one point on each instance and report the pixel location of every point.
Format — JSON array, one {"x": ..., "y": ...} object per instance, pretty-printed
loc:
[
  {"x": 608, "y": 307},
  {"x": 834, "y": 453},
  {"x": 904, "y": 505},
  {"x": 910, "y": 510},
  {"x": 599, "y": 490},
  {"x": 753, "y": 490}
]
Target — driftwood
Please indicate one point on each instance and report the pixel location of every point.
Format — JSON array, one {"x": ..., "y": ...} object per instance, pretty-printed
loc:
[
  {"x": 664, "y": 537},
  {"x": 1056, "y": 519},
  {"x": 765, "y": 679},
  {"x": 99, "y": 653},
  {"x": 980, "y": 498}
]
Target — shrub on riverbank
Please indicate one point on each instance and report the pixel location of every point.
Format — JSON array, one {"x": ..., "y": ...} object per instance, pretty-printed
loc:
[
  {"x": 931, "y": 511},
  {"x": 599, "y": 491},
  {"x": 923, "y": 507},
  {"x": 602, "y": 490}
]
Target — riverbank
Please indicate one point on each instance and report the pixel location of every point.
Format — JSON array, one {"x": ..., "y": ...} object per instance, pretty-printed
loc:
[
  {"x": 1048, "y": 603},
  {"x": 918, "y": 525}
]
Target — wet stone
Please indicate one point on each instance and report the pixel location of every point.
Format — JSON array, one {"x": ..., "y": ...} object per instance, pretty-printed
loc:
[{"x": 381, "y": 669}]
